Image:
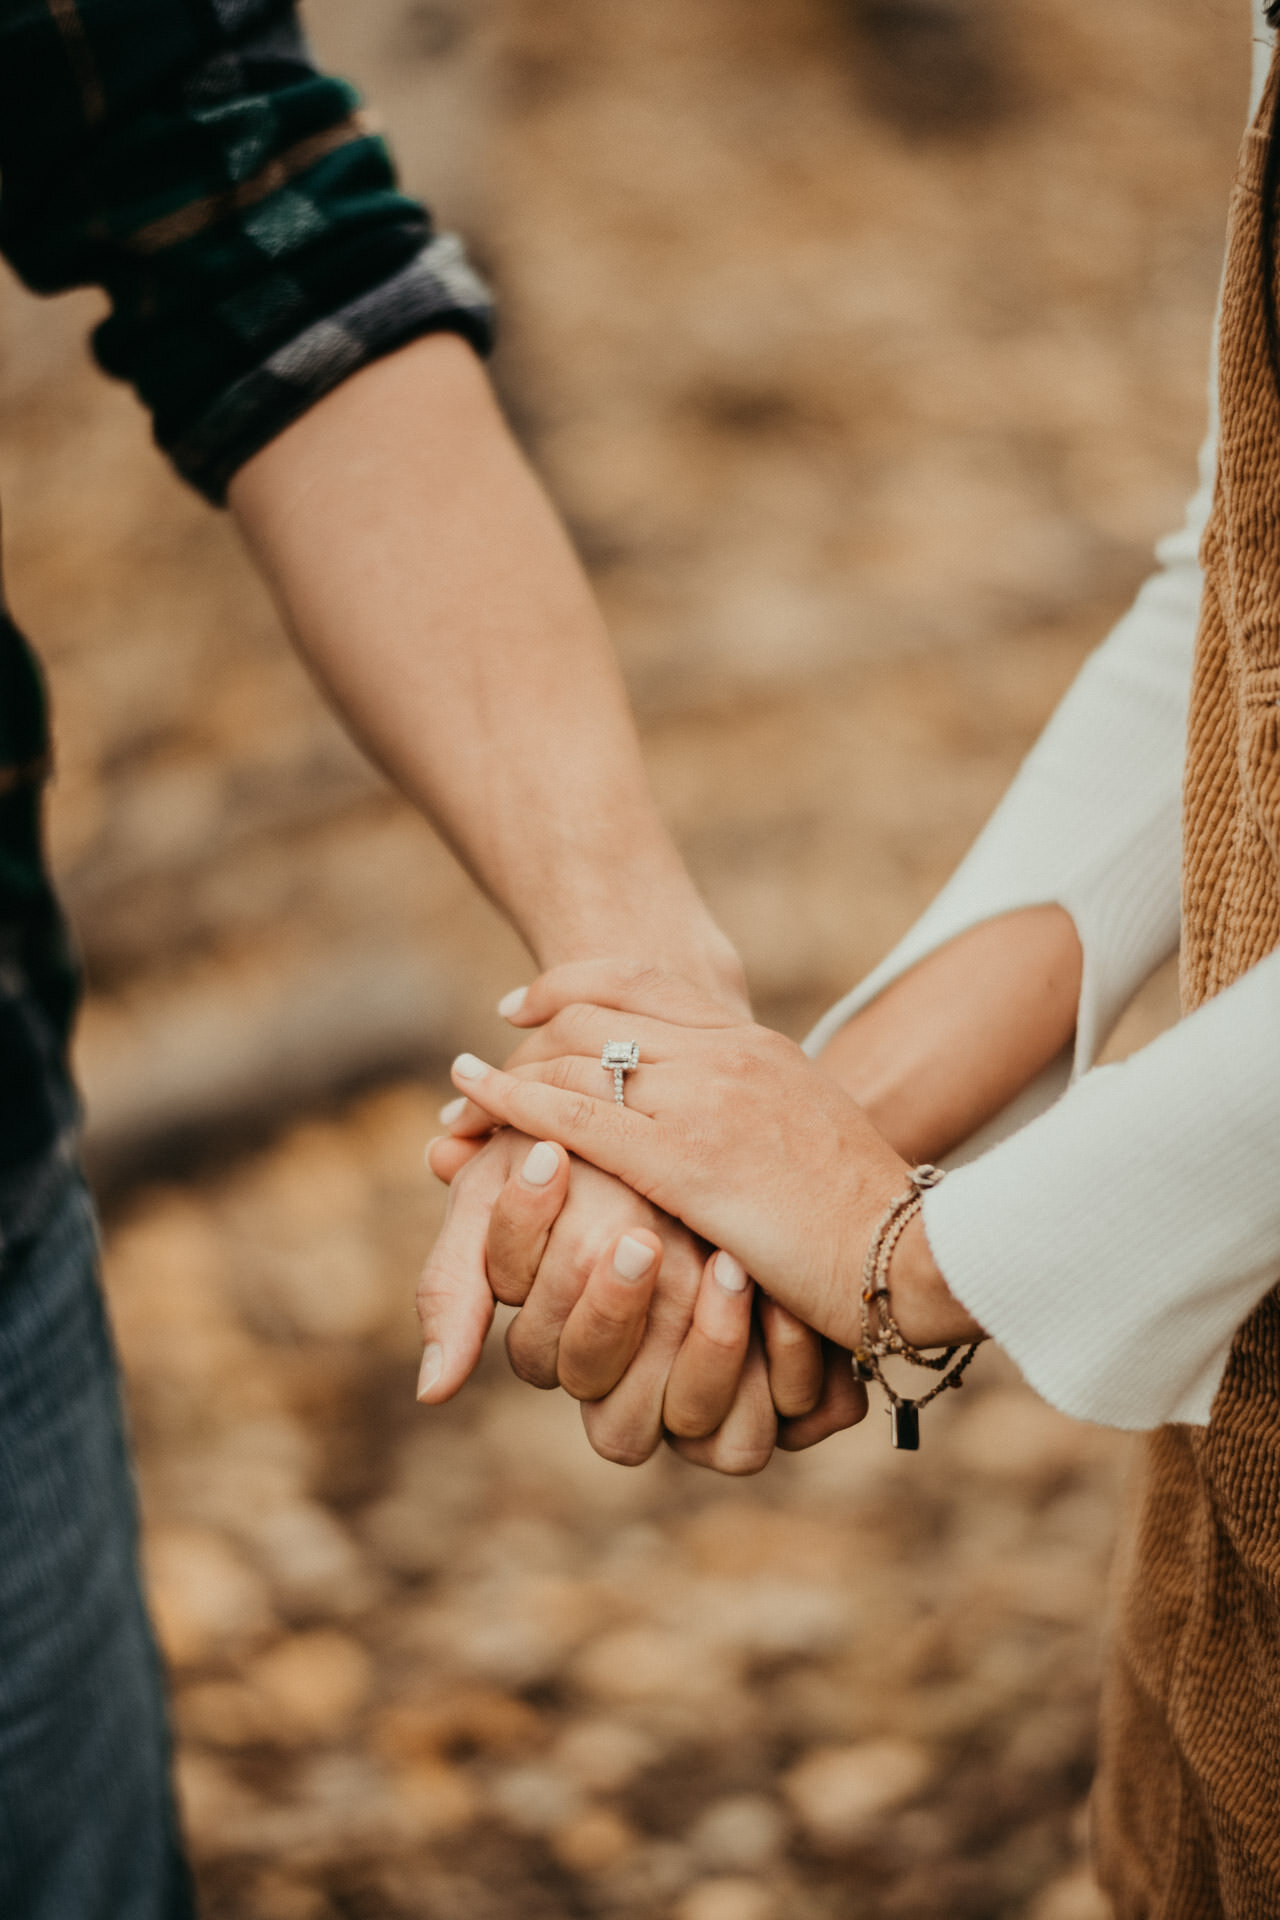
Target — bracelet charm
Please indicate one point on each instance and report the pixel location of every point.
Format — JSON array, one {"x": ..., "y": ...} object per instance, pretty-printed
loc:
[{"x": 881, "y": 1334}]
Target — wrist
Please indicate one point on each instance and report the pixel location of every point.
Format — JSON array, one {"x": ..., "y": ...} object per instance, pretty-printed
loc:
[
  {"x": 678, "y": 936},
  {"x": 923, "y": 1305}
]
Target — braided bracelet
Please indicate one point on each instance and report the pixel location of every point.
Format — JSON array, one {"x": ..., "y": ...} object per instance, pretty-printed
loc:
[{"x": 881, "y": 1334}]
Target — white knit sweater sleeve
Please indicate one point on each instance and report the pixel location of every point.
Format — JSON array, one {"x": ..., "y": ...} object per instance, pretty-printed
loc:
[{"x": 1114, "y": 1245}]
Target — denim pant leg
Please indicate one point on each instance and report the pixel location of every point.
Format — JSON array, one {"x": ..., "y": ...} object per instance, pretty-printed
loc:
[{"x": 87, "y": 1830}]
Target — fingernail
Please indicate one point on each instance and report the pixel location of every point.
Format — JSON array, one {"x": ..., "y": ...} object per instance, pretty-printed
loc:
[
  {"x": 541, "y": 1165},
  {"x": 730, "y": 1273},
  {"x": 451, "y": 1109},
  {"x": 431, "y": 1369},
  {"x": 426, "y": 1151},
  {"x": 631, "y": 1258},
  {"x": 511, "y": 1003},
  {"x": 467, "y": 1067}
]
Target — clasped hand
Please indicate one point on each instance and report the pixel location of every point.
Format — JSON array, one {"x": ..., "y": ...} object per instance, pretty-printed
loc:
[{"x": 731, "y": 1137}]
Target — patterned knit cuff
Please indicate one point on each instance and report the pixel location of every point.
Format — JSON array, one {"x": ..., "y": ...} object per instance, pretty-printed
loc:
[{"x": 438, "y": 291}]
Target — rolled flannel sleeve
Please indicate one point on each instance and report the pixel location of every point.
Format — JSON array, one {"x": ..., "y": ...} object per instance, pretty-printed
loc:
[{"x": 233, "y": 202}]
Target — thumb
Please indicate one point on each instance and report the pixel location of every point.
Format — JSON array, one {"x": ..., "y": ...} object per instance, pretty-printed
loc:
[{"x": 454, "y": 1301}]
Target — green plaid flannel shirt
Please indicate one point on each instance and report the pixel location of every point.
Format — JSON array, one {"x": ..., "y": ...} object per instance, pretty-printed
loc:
[{"x": 245, "y": 223}]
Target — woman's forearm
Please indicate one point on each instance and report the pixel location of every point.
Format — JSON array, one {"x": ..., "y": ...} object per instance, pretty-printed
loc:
[
  {"x": 947, "y": 1045},
  {"x": 432, "y": 591}
]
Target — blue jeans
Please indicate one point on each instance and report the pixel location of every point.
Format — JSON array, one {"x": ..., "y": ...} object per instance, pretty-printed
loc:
[{"x": 87, "y": 1828}]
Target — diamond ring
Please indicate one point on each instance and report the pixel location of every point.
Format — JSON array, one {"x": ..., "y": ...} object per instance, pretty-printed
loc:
[{"x": 620, "y": 1057}]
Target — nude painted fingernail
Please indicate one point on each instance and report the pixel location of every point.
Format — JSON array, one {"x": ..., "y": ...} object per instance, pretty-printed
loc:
[
  {"x": 467, "y": 1067},
  {"x": 511, "y": 1003},
  {"x": 730, "y": 1273},
  {"x": 451, "y": 1109},
  {"x": 541, "y": 1165},
  {"x": 431, "y": 1369},
  {"x": 632, "y": 1259}
]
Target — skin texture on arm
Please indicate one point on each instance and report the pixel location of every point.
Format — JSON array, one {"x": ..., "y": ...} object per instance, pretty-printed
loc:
[
  {"x": 431, "y": 589},
  {"x": 945, "y": 1048},
  {"x": 947, "y": 1045}
]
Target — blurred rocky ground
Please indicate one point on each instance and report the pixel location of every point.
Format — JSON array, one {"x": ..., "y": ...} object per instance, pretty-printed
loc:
[
  {"x": 862, "y": 343},
  {"x": 452, "y": 1666}
]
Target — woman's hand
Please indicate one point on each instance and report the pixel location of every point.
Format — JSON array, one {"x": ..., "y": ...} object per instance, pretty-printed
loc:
[{"x": 729, "y": 1127}]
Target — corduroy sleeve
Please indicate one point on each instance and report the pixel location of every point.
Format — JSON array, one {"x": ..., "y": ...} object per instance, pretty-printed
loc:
[{"x": 233, "y": 202}]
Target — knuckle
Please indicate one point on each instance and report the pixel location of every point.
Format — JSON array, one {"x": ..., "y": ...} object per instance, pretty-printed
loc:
[
  {"x": 529, "y": 1362},
  {"x": 622, "y": 1453},
  {"x": 741, "y": 1459},
  {"x": 616, "y": 1438},
  {"x": 691, "y": 1423},
  {"x": 580, "y": 1382}
]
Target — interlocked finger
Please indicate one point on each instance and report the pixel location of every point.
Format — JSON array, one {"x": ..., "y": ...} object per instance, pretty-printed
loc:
[
  {"x": 794, "y": 1353},
  {"x": 708, "y": 1367},
  {"x": 843, "y": 1403},
  {"x": 523, "y": 1216},
  {"x": 604, "y": 1330},
  {"x": 744, "y": 1443}
]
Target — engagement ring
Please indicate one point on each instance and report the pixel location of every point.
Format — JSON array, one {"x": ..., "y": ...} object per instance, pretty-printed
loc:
[{"x": 620, "y": 1057}]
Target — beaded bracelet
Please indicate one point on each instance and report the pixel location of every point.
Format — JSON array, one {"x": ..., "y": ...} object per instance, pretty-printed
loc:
[{"x": 881, "y": 1334}]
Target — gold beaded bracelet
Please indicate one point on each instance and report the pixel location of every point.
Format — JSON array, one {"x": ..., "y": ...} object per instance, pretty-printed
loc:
[{"x": 881, "y": 1334}]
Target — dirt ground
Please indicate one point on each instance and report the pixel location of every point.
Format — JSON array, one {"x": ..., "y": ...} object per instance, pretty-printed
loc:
[{"x": 863, "y": 344}]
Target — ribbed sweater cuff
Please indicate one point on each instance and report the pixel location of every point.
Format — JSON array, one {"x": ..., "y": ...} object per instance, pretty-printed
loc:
[{"x": 1115, "y": 1244}]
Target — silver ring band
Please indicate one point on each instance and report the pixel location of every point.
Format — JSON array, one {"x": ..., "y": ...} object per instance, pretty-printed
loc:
[{"x": 620, "y": 1057}]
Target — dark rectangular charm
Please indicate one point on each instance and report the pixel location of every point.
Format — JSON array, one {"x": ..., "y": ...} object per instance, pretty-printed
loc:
[{"x": 905, "y": 1427}]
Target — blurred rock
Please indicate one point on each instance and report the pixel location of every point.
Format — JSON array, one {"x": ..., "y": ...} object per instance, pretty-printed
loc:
[
  {"x": 643, "y": 1663},
  {"x": 536, "y": 1444},
  {"x": 604, "y": 1755},
  {"x": 647, "y": 1878},
  {"x": 738, "y": 1539},
  {"x": 437, "y": 1799},
  {"x": 1076, "y": 1896},
  {"x": 593, "y": 1841},
  {"x": 315, "y": 1567},
  {"x": 464, "y": 1720},
  {"x": 836, "y": 1793},
  {"x": 727, "y": 1899},
  {"x": 766, "y": 1619},
  {"x": 213, "y": 1805},
  {"x": 745, "y": 1833},
  {"x": 225, "y": 1713},
  {"x": 1010, "y": 1435},
  {"x": 167, "y": 1277},
  {"x": 437, "y": 1481},
  {"x": 515, "y": 1632},
  {"x": 277, "y": 1896},
  {"x": 204, "y": 1595},
  {"x": 313, "y": 1683},
  {"x": 243, "y": 1469},
  {"x": 534, "y": 1799}
]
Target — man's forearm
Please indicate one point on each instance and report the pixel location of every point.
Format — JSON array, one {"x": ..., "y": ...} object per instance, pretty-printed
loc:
[
  {"x": 433, "y": 593},
  {"x": 946, "y": 1047}
]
